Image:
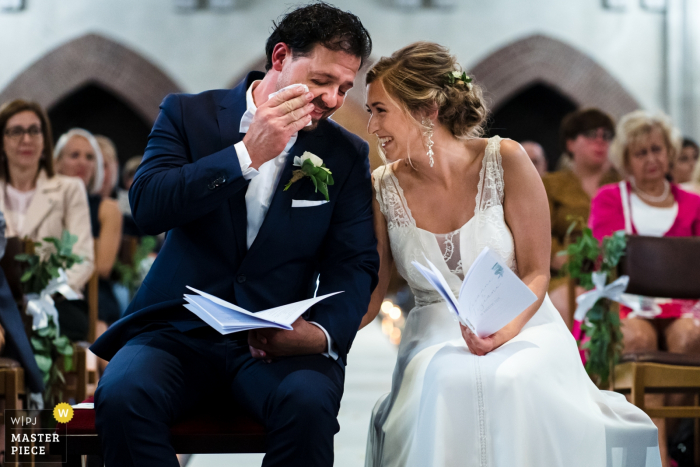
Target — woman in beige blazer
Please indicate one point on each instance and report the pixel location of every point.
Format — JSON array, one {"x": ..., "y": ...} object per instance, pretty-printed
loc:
[{"x": 37, "y": 202}]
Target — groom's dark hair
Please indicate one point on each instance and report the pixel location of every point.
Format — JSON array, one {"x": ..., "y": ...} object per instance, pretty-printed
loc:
[{"x": 320, "y": 23}]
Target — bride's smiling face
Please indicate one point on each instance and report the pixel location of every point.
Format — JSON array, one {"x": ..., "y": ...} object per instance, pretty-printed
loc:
[{"x": 397, "y": 132}]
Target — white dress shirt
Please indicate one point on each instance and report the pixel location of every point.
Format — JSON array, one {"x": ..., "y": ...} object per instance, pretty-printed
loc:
[{"x": 263, "y": 183}]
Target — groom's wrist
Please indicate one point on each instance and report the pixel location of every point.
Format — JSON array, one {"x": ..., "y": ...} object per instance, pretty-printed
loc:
[{"x": 317, "y": 340}]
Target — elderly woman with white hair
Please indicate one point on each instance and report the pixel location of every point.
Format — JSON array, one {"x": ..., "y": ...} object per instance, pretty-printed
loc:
[
  {"x": 78, "y": 154},
  {"x": 646, "y": 203}
]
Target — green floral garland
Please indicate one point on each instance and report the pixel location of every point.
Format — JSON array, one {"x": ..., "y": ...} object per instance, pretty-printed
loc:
[
  {"x": 602, "y": 323},
  {"x": 48, "y": 346}
]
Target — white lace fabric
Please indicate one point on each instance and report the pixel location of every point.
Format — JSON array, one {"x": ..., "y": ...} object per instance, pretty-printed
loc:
[
  {"x": 527, "y": 403},
  {"x": 410, "y": 243}
]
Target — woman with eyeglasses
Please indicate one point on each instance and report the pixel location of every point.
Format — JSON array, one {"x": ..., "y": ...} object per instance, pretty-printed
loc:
[
  {"x": 585, "y": 137},
  {"x": 39, "y": 203}
]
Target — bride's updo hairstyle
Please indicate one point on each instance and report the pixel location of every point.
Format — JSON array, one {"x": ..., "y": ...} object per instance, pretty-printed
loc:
[{"x": 417, "y": 78}]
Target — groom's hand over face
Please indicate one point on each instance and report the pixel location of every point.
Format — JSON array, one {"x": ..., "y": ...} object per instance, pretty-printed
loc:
[
  {"x": 304, "y": 339},
  {"x": 275, "y": 122}
]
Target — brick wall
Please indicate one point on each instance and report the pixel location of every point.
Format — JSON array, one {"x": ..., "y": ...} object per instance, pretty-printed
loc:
[
  {"x": 541, "y": 59},
  {"x": 93, "y": 59}
]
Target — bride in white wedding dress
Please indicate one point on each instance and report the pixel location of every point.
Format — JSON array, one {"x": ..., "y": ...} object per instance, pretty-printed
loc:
[{"x": 520, "y": 397}]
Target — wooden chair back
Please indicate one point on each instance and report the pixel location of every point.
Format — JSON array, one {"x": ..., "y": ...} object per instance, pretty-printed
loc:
[
  {"x": 662, "y": 266},
  {"x": 127, "y": 250}
]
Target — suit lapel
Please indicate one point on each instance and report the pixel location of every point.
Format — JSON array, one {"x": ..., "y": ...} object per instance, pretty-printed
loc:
[
  {"x": 282, "y": 200},
  {"x": 229, "y": 114},
  {"x": 42, "y": 203}
]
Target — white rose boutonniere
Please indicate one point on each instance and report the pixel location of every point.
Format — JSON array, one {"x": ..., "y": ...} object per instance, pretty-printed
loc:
[{"x": 313, "y": 167}]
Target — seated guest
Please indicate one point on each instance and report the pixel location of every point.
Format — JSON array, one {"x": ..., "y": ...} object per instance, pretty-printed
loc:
[
  {"x": 694, "y": 184},
  {"x": 14, "y": 344},
  {"x": 585, "y": 138},
  {"x": 647, "y": 204},
  {"x": 536, "y": 153},
  {"x": 128, "y": 172},
  {"x": 78, "y": 154},
  {"x": 38, "y": 203},
  {"x": 682, "y": 168},
  {"x": 110, "y": 165}
]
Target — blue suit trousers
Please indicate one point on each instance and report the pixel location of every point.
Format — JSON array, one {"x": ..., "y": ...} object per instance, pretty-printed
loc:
[{"x": 163, "y": 375}]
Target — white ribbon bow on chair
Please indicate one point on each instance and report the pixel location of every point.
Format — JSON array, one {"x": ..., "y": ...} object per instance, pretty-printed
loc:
[
  {"x": 41, "y": 306},
  {"x": 612, "y": 291}
]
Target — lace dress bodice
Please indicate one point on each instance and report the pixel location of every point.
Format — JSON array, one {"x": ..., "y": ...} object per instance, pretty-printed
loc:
[{"x": 454, "y": 252}]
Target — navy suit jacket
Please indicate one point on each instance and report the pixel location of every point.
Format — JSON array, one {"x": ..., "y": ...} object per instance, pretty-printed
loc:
[{"x": 190, "y": 185}]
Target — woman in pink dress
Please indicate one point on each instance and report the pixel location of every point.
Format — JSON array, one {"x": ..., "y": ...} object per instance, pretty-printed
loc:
[{"x": 647, "y": 204}]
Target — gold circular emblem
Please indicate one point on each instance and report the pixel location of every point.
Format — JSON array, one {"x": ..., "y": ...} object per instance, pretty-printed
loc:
[{"x": 63, "y": 412}]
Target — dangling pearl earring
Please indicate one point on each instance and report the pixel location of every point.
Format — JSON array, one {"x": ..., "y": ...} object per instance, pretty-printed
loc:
[{"x": 427, "y": 123}]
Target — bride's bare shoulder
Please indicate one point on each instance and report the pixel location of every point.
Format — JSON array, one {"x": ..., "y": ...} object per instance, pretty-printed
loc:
[
  {"x": 513, "y": 155},
  {"x": 517, "y": 165}
]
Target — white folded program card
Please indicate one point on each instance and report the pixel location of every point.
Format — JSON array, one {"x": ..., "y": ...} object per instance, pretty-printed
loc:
[
  {"x": 491, "y": 295},
  {"x": 306, "y": 89},
  {"x": 226, "y": 317}
]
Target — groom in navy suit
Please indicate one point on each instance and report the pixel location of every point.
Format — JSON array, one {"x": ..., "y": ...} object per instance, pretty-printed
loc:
[{"x": 213, "y": 177}]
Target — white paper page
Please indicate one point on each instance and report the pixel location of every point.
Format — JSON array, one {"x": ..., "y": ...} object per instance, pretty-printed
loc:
[
  {"x": 287, "y": 314},
  {"x": 437, "y": 280},
  {"x": 221, "y": 302},
  {"x": 228, "y": 324},
  {"x": 471, "y": 268},
  {"x": 226, "y": 317},
  {"x": 222, "y": 315},
  {"x": 493, "y": 295}
]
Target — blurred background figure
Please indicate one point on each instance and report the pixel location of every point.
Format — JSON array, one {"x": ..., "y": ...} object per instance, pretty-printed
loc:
[
  {"x": 110, "y": 166},
  {"x": 78, "y": 154},
  {"x": 128, "y": 172},
  {"x": 645, "y": 146},
  {"x": 694, "y": 183},
  {"x": 39, "y": 203},
  {"x": 682, "y": 168},
  {"x": 585, "y": 139},
  {"x": 537, "y": 156}
]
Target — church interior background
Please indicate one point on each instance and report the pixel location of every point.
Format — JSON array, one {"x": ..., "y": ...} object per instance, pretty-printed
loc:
[{"x": 105, "y": 65}]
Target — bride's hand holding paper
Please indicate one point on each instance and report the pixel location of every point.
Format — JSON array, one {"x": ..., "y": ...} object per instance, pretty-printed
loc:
[
  {"x": 490, "y": 298},
  {"x": 481, "y": 346}
]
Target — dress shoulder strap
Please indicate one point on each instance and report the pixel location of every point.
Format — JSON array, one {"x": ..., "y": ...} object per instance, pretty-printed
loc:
[
  {"x": 390, "y": 197},
  {"x": 490, "y": 191}
]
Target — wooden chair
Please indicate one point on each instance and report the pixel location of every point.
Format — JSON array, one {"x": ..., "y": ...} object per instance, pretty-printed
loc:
[
  {"x": 128, "y": 248},
  {"x": 12, "y": 384},
  {"x": 12, "y": 390},
  {"x": 231, "y": 433},
  {"x": 662, "y": 267}
]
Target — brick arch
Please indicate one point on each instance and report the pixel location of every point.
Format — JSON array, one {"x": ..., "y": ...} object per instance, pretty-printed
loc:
[
  {"x": 541, "y": 59},
  {"x": 93, "y": 59}
]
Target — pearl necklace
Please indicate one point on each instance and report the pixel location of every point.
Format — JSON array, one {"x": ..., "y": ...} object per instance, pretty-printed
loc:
[{"x": 652, "y": 199}]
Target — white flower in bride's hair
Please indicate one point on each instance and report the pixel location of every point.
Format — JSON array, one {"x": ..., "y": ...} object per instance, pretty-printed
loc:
[
  {"x": 459, "y": 77},
  {"x": 315, "y": 160}
]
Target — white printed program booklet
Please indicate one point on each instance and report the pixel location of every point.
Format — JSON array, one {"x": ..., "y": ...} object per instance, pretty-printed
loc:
[
  {"x": 490, "y": 297},
  {"x": 226, "y": 317}
]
